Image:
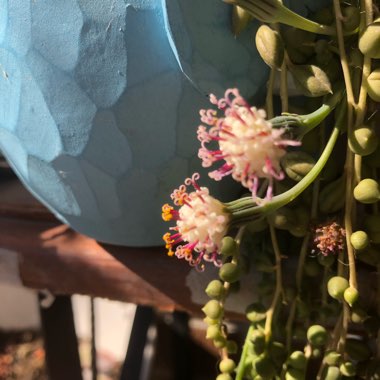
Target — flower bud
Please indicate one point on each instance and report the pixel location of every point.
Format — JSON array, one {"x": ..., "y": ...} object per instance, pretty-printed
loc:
[
  {"x": 229, "y": 247},
  {"x": 311, "y": 80},
  {"x": 224, "y": 376},
  {"x": 336, "y": 287},
  {"x": 297, "y": 164},
  {"x": 297, "y": 359},
  {"x": 227, "y": 365},
  {"x": 363, "y": 141},
  {"x": 215, "y": 289},
  {"x": 332, "y": 373},
  {"x": 359, "y": 240},
  {"x": 373, "y": 85},
  {"x": 264, "y": 367},
  {"x": 229, "y": 272},
  {"x": 317, "y": 335},
  {"x": 240, "y": 20},
  {"x": 369, "y": 41},
  {"x": 270, "y": 46},
  {"x": 332, "y": 358},
  {"x": 351, "y": 18},
  {"x": 331, "y": 198},
  {"x": 347, "y": 369},
  {"x": 367, "y": 191},
  {"x": 256, "y": 312},
  {"x": 294, "y": 374},
  {"x": 213, "y": 332},
  {"x": 351, "y": 295},
  {"x": 213, "y": 309}
]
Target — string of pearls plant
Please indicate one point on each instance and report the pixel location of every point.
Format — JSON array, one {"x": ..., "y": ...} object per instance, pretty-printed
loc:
[{"x": 310, "y": 227}]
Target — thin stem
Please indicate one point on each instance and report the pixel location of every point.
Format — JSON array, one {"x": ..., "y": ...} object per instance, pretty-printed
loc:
[
  {"x": 279, "y": 290},
  {"x": 366, "y": 7},
  {"x": 299, "y": 275},
  {"x": 357, "y": 168},
  {"x": 284, "y": 87},
  {"x": 240, "y": 370},
  {"x": 246, "y": 208},
  {"x": 344, "y": 328},
  {"x": 349, "y": 155},
  {"x": 269, "y": 97},
  {"x": 342, "y": 53}
]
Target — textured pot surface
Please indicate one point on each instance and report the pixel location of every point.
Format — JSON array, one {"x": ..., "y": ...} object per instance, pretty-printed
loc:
[{"x": 99, "y": 107}]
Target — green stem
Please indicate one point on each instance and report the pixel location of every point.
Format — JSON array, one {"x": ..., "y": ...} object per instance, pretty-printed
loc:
[
  {"x": 279, "y": 290},
  {"x": 246, "y": 208},
  {"x": 288, "y": 17},
  {"x": 240, "y": 370},
  {"x": 306, "y": 123}
]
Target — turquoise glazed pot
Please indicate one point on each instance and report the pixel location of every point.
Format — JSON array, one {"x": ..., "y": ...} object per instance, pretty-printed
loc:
[{"x": 99, "y": 104}]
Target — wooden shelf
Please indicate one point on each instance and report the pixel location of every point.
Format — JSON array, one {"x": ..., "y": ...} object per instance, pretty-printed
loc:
[{"x": 54, "y": 257}]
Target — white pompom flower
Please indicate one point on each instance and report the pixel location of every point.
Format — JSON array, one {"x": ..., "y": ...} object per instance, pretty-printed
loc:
[
  {"x": 201, "y": 223},
  {"x": 245, "y": 140}
]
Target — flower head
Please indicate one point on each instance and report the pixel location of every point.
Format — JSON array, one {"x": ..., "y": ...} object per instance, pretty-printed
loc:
[
  {"x": 201, "y": 223},
  {"x": 250, "y": 148},
  {"x": 329, "y": 238}
]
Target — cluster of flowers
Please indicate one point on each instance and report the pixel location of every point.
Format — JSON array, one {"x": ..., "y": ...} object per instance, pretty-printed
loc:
[{"x": 251, "y": 150}]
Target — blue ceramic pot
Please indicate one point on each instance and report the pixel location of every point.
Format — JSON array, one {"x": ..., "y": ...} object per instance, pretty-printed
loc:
[{"x": 99, "y": 104}]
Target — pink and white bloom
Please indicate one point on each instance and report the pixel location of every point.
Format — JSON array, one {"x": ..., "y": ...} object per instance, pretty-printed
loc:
[
  {"x": 201, "y": 223},
  {"x": 250, "y": 148}
]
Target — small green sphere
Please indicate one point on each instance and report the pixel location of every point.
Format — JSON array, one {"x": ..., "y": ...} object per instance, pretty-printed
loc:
[
  {"x": 363, "y": 141},
  {"x": 336, "y": 287},
  {"x": 213, "y": 332},
  {"x": 215, "y": 289},
  {"x": 367, "y": 191},
  {"x": 332, "y": 358},
  {"x": 332, "y": 373},
  {"x": 347, "y": 369},
  {"x": 229, "y": 272},
  {"x": 256, "y": 312},
  {"x": 294, "y": 374},
  {"x": 359, "y": 240},
  {"x": 297, "y": 359},
  {"x": 213, "y": 309},
  {"x": 224, "y": 376},
  {"x": 229, "y": 247},
  {"x": 317, "y": 335},
  {"x": 351, "y": 295},
  {"x": 220, "y": 342},
  {"x": 227, "y": 365},
  {"x": 358, "y": 314},
  {"x": 373, "y": 85}
]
